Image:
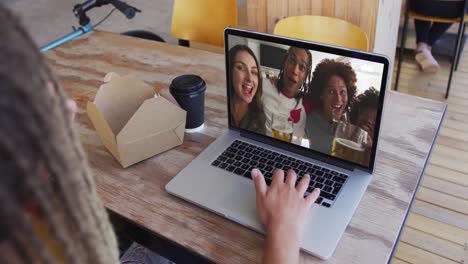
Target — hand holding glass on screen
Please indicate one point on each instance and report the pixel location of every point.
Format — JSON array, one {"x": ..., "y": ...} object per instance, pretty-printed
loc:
[
  {"x": 281, "y": 127},
  {"x": 350, "y": 143}
]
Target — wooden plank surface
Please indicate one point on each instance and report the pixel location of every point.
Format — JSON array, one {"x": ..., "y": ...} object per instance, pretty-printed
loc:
[
  {"x": 138, "y": 191},
  {"x": 450, "y": 141},
  {"x": 446, "y": 187},
  {"x": 440, "y": 210},
  {"x": 435, "y": 245},
  {"x": 299, "y": 7},
  {"x": 368, "y": 19},
  {"x": 412, "y": 254},
  {"x": 444, "y": 161},
  {"x": 444, "y": 200},
  {"x": 440, "y": 214},
  {"x": 438, "y": 229},
  {"x": 328, "y": 8},
  {"x": 316, "y": 7},
  {"x": 447, "y": 174},
  {"x": 398, "y": 261},
  {"x": 341, "y": 8},
  {"x": 257, "y": 15},
  {"x": 276, "y": 10},
  {"x": 354, "y": 13}
]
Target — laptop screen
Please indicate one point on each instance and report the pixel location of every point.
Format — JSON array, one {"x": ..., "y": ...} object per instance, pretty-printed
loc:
[{"x": 320, "y": 98}]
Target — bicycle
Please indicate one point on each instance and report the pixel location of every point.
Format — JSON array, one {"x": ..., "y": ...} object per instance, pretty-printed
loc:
[{"x": 85, "y": 23}]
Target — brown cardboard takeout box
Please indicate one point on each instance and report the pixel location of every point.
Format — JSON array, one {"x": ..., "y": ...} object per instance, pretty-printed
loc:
[{"x": 132, "y": 124}]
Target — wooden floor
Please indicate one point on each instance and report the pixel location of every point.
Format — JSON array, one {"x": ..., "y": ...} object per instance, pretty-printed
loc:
[{"x": 436, "y": 230}]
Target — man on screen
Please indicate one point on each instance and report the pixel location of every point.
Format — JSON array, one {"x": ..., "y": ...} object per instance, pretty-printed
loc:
[{"x": 282, "y": 96}]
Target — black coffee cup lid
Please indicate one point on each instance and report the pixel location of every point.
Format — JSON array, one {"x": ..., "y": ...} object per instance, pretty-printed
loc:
[{"x": 187, "y": 84}]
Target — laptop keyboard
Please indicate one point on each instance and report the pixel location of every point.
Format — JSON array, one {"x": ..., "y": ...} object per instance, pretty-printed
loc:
[{"x": 241, "y": 157}]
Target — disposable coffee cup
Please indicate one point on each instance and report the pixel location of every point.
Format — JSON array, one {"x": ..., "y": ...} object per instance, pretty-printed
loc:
[{"x": 189, "y": 92}]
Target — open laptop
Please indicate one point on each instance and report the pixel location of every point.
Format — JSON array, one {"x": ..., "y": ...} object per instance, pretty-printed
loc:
[{"x": 219, "y": 178}]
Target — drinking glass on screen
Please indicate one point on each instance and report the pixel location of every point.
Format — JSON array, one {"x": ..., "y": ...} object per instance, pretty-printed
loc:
[
  {"x": 281, "y": 127},
  {"x": 349, "y": 142}
]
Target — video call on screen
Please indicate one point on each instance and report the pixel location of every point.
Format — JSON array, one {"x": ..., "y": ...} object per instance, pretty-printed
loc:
[{"x": 321, "y": 101}]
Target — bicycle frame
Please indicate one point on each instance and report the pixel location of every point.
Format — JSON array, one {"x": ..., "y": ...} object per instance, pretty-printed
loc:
[{"x": 79, "y": 32}]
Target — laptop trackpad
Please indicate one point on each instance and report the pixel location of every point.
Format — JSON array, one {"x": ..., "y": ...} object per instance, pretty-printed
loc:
[{"x": 240, "y": 207}]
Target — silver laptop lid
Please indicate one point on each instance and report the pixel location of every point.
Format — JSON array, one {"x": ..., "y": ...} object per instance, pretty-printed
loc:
[{"x": 321, "y": 101}]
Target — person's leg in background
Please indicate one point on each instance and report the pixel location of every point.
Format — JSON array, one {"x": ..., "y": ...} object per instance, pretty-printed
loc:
[
  {"x": 427, "y": 33},
  {"x": 436, "y": 31},
  {"x": 424, "y": 41},
  {"x": 422, "y": 34}
]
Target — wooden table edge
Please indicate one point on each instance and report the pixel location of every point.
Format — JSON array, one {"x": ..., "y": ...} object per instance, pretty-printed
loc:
[{"x": 439, "y": 126}]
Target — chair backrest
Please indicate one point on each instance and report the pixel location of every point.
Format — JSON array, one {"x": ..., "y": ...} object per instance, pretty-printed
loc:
[
  {"x": 418, "y": 9},
  {"x": 203, "y": 20},
  {"x": 328, "y": 30},
  {"x": 415, "y": 15}
]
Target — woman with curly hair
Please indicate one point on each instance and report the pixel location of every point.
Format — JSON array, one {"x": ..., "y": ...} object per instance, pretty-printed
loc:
[
  {"x": 245, "y": 89},
  {"x": 364, "y": 113},
  {"x": 364, "y": 110},
  {"x": 333, "y": 87},
  {"x": 283, "y": 95}
]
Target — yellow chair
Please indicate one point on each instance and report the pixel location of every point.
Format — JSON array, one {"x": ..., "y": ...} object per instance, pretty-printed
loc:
[
  {"x": 328, "y": 30},
  {"x": 203, "y": 20},
  {"x": 457, "y": 49}
]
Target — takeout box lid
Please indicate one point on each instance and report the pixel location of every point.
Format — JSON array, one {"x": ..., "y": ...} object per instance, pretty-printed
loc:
[
  {"x": 119, "y": 98},
  {"x": 132, "y": 124}
]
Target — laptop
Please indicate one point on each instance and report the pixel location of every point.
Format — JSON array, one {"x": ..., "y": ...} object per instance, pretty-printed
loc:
[{"x": 219, "y": 178}]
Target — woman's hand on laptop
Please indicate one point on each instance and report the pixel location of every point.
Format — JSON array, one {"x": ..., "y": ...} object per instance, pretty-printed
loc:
[{"x": 283, "y": 211}]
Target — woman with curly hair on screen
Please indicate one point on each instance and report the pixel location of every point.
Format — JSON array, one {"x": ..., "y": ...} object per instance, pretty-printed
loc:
[
  {"x": 364, "y": 114},
  {"x": 333, "y": 88}
]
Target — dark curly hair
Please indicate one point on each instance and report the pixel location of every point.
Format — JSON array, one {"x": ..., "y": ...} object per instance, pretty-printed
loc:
[
  {"x": 325, "y": 70},
  {"x": 305, "y": 85},
  {"x": 367, "y": 100}
]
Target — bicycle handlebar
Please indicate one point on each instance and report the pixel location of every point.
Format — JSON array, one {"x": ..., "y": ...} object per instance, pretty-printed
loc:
[
  {"x": 80, "y": 12},
  {"x": 127, "y": 10},
  {"x": 80, "y": 9}
]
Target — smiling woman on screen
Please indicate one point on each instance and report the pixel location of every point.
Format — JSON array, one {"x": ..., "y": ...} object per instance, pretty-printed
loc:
[
  {"x": 246, "y": 89},
  {"x": 333, "y": 87}
]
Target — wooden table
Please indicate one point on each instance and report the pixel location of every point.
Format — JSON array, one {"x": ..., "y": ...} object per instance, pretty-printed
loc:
[{"x": 410, "y": 125}]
